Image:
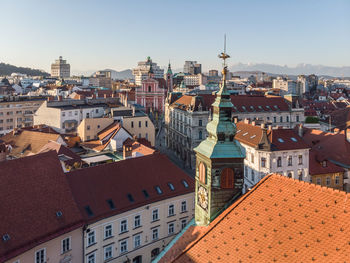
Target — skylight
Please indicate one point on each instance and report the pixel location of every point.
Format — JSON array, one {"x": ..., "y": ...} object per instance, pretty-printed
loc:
[
  {"x": 6, "y": 237},
  {"x": 276, "y": 107},
  {"x": 131, "y": 199},
  {"x": 111, "y": 204},
  {"x": 59, "y": 213},
  {"x": 244, "y": 134},
  {"x": 159, "y": 191},
  {"x": 88, "y": 210},
  {"x": 185, "y": 183},
  {"x": 293, "y": 139},
  {"x": 171, "y": 186},
  {"x": 280, "y": 140},
  {"x": 253, "y": 136},
  {"x": 238, "y": 131},
  {"x": 145, "y": 193}
]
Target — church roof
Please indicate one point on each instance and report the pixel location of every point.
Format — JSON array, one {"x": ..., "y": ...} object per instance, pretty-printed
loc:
[{"x": 279, "y": 220}]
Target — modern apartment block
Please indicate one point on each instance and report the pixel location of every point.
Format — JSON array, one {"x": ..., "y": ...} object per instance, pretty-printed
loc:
[
  {"x": 18, "y": 113},
  {"x": 192, "y": 67},
  {"x": 65, "y": 116},
  {"x": 60, "y": 68},
  {"x": 141, "y": 71}
]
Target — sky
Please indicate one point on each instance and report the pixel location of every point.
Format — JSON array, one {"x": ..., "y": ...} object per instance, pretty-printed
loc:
[{"x": 116, "y": 34}]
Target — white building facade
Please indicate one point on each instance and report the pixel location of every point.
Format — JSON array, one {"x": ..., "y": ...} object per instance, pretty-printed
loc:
[
  {"x": 141, "y": 71},
  {"x": 60, "y": 68}
]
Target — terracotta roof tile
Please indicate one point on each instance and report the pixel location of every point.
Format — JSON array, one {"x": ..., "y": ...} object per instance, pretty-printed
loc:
[{"x": 279, "y": 220}]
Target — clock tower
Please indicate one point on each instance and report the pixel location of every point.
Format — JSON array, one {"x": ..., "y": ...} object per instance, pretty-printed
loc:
[{"x": 219, "y": 160}]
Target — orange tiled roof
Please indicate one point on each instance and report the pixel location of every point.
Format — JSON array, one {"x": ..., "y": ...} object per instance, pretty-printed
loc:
[{"x": 279, "y": 220}]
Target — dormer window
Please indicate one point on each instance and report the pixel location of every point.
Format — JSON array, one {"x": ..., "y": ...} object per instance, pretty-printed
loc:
[{"x": 324, "y": 164}]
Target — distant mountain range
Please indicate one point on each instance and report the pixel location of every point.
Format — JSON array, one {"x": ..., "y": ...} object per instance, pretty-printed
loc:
[
  {"x": 306, "y": 69},
  {"x": 7, "y": 69}
]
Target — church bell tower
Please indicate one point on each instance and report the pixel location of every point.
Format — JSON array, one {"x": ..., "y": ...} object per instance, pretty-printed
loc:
[{"x": 219, "y": 159}]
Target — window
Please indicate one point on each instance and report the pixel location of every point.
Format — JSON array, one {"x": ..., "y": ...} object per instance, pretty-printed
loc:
[
  {"x": 328, "y": 181},
  {"x": 75, "y": 113},
  {"x": 66, "y": 245},
  {"x": 324, "y": 164},
  {"x": 146, "y": 123},
  {"x": 155, "y": 214},
  {"x": 149, "y": 89},
  {"x": 91, "y": 258},
  {"x": 274, "y": 119},
  {"x": 171, "y": 229},
  {"x": 290, "y": 160},
  {"x": 91, "y": 238},
  {"x": 108, "y": 231},
  {"x": 137, "y": 240},
  {"x": 87, "y": 137},
  {"x": 139, "y": 124},
  {"x": 98, "y": 126},
  {"x": 300, "y": 158},
  {"x": 69, "y": 113},
  {"x": 202, "y": 173},
  {"x": 108, "y": 252},
  {"x": 123, "y": 226},
  {"x": 263, "y": 162},
  {"x": 96, "y": 110},
  {"x": 281, "y": 119},
  {"x": 40, "y": 256},
  {"x": 279, "y": 162},
  {"x": 171, "y": 210},
  {"x": 337, "y": 180},
  {"x": 159, "y": 191},
  {"x": 155, "y": 234},
  {"x": 200, "y": 135},
  {"x": 300, "y": 175},
  {"x": 290, "y": 175},
  {"x": 185, "y": 183},
  {"x": 200, "y": 123},
  {"x": 183, "y": 223},
  {"x": 183, "y": 206},
  {"x": 123, "y": 246},
  {"x": 132, "y": 124},
  {"x": 287, "y": 119},
  {"x": 88, "y": 127},
  {"x": 154, "y": 253},
  {"x": 252, "y": 158},
  {"x": 318, "y": 180},
  {"x": 227, "y": 178},
  {"x": 253, "y": 176},
  {"x": 63, "y": 114},
  {"x": 297, "y": 118},
  {"x": 137, "y": 221}
]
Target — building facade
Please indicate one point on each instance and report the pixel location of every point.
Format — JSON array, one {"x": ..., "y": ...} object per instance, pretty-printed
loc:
[
  {"x": 60, "y": 68},
  {"x": 192, "y": 67},
  {"x": 270, "y": 150},
  {"x": 141, "y": 71},
  {"x": 17, "y": 114}
]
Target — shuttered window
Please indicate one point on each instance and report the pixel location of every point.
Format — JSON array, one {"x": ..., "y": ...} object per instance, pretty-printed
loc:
[{"x": 227, "y": 178}]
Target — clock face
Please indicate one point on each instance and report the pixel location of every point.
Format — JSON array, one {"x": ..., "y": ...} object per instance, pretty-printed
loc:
[{"x": 202, "y": 196}]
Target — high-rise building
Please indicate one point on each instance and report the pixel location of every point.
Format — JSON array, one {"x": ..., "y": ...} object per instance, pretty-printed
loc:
[
  {"x": 213, "y": 73},
  {"x": 60, "y": 68},
  {"x": 192, "y": 67},
  {"x": 141, "y": 71}
]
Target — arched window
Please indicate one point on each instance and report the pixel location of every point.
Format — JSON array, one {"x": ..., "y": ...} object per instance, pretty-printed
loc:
[
  {"x": 227, "y": 178},
  {"x": 202, "y": 173},
  {"x": 149, "y": 89}
]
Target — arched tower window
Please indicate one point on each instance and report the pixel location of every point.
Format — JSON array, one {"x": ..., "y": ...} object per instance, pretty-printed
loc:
[
  {"x": 149, "y": 89},
  {"x": 227, "y": 178},
  {"x": 202, "y": 173}
]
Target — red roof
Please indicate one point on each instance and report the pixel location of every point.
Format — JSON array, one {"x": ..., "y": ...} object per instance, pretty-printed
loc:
[
  {"x": 279, "y": 220},
  {"x": 32, "y": 190},
  {"x": 117, "y": 180},
  {"x": 316, "y": 167},
  {"x": 242, "y": 103}
]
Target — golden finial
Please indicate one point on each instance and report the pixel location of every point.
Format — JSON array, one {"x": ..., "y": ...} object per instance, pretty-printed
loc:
[{"x": 224, "y": 56}]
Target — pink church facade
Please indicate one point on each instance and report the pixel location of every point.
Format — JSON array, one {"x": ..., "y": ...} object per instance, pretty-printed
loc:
[{"x": 151, "y": 95}]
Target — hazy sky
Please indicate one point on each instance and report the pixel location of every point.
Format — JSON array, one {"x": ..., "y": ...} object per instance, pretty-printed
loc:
[{"x": 117, "y": 34}]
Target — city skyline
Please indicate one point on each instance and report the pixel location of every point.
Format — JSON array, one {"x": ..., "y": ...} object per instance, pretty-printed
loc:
[{"x": 117, "y": 35}]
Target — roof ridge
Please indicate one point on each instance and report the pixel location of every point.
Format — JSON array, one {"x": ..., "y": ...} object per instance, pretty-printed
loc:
[{"x": 234, "y": 205}]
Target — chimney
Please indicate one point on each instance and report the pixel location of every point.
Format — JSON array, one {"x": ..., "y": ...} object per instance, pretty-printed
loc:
[
  {"x": 336, "y": 130},
  {"x": 127, "y": 151},
  {"x": 59, "y": 98},
  {"x": 347, "y": 134},
  {"x": 105, "y": 96},
  {"x": 269, "y": 127},
  {"x": 3, "y": 152},
  {"x": 253, "y": 123},
  {"x": 262, "y": 126},
  {"x": 246, "y": 121},
  {"x": 300, "y": 130}
]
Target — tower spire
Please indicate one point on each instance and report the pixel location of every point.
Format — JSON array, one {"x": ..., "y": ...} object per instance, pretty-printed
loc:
[{"x": 223, "y": 55}]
